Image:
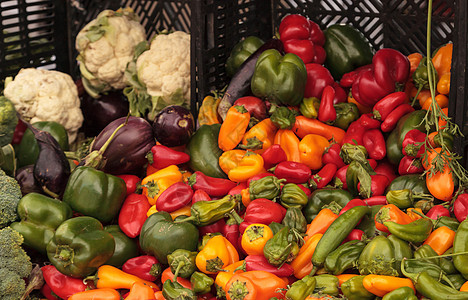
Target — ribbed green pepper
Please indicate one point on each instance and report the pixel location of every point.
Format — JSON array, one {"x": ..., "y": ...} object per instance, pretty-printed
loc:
[
  {"x": 446, "y": 263},
  {"x": 268, "y": 187},
  {"x": 345, "y": 257},
  {"x": 415, "y": 232},
  {"x": 322, "y": 197},
  {"x": 327, "y": 284},
  {"x": 412, "y": 182},
  {"x": 353, "y": 289},
  {"x": 405, "y": 198},
  {"x": 300, "y": 289},
  {"x": 172, "y": 290},
  {"x": 449, "y": 222},
  {"x": 293, "y": 195},
  {"x": 208, "y": 212},
  {"x": 457, "y": 280},
  {"x": 241, "y": 51},
  {"x": 403, "y": 293},
  {"x": 346, "y": 113},
  {"x": 184, "y": 258},
  {"x": 460, "y": 244},
  {"x": 201, "y": 283},
  {"x": 278, "y": 248},
  {"x": 416, "y": 266},
  {"x": 125, "y": 247},
  {"x": 427, "y": 251},
  {"x": 294, "y": 219}
]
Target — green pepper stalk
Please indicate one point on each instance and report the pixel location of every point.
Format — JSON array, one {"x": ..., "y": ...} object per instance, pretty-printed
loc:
[
  {"x": 184, "y": 260},
  {"x": 300, "y": 289},
  {"x": 201, "y": 283},
  {"x": 172, "y": 290},
  {"x": 208, "y": 212}
]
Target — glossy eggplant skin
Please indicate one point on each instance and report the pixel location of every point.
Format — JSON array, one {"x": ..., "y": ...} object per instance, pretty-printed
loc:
[
  {"x": 127, "y": 151},
  {"x": 173, "y": 126},
  {"x": 26, "y": 180}
]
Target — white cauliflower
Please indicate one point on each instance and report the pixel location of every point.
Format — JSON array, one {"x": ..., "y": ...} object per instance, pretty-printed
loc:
[
  {"x": 105, "y": 46},
  {"x": 44, "y": 95},
  {"x": 161, "y": 75}
]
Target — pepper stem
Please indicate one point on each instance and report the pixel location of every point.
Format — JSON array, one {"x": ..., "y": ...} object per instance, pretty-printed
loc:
[
  {"x": 233, "y": 215},
  {"x": 176, "y": 273}
]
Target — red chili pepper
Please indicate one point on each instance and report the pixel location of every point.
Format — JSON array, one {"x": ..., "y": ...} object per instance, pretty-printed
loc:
[
  {"x": 305, "y": 189},
  {"x": 368, "y": 122},
  {"x": 332, "y": 155},
  {"x": 372, "y": 163},
  {"x": 238, "y": 188},
  {"x": 174, "y": 197},
  {"x": 273, "y": 156},
  {"x": 327, "y": 112},
  {"x": 260, "y": 263},
  {"x": 413, "y": 143},
  {"x": 340, "y": 94},
  {"x": 386, "y": 168},
  {"x": 47, "y": 292},
  {"x": 351, "y": 204},
  {"x": 388, "y": 103},
  {"x": 390, "y": 122},
  {"x": 200, "y": 195},
  {"x": 438, "y": 211},
  {"x": 302, "y": 37},
  {"x": 374, "y": 142},
  {"x": 231, "y": 230},
  {"x": 62, "y": 285},
  {"x": 348, "y": 79},
  {"x": 341, "y": 175},
  {"x": 378, "y": 184},
  {"x": 293, "y": 172},
  {"x": 259, "y": 176},
  {"x": 354, "y": 133},
  {"x": 131, "y": 181},
  {"x": 218, "y": 226},
  {"x": 262, "y": 211},
  {"x": 410, "y": 165},
  {"x": 146, "y": 267},
  {"x": 460, "y": 207},
  {"x": 19, "y": 132},
  {"x": 324, "y": 176},
  {"x": 164, "y": 157},
  {"x": 376, "y": 200},
  {"x": 212, "y": 186},
  {"x": 318, "y": 77},
  {"x": 132, "y": 215},
  {"x": 355, "y": 234}
]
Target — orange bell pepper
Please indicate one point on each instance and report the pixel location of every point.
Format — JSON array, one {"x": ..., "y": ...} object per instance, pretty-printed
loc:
[
  {"x": 101, "y": 294},
  {"x": 255, "y": 237},
  {"x": 140, "y": 291},
  {"x": 108, "y": 276},
  {"x": 442, "y": 60},
  {"x": 208, "y": 112},
  {"x": 223, "y": 277},
  {"x": 320, "y": 223},
  {"x": 289, "y": 143},
  {"x": 159, "y": 295},
  {"x": 216, "y": 255},
  {"x": 311, "y": 149},
  {"x": 250, "y": 165},
  {"x": 441, "y": 239},
  {"x": 441, "y": 100},
  {"x": 168, "y": 275},
  {"x": 380, "y": 285},
  {"x": 305, "y": 126},
  {"x": 233, "y": 128},
  {"x": 255, "y": 285},
  {"x": 156, "y": 183},
  {"x": 443, "y": 85},
  {"x": 260, "y": 137},
  {"x": 345, "y": 277},
  {"x": 414, "y": 59},
  {"x": 302, "y": 264},
  {"x": 390, "y": 212},
  {"x": 230, "y": 159}
]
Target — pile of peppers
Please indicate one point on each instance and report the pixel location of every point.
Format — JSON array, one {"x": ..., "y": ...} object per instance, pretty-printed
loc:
[{"x": 314, "y": 186}]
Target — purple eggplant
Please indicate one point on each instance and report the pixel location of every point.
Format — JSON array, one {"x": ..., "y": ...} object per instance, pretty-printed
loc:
[
  {"x": 173, "y": 126},
  {"x": 99, "y": 112},
  {"x": 26, "y": 180},
  {"x": 127, "y": 151}
]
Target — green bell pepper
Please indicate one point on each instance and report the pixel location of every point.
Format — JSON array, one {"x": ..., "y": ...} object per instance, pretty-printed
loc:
[
  {"x": 279, "y": 79},
  {"x": 403, "y": 293},
  {"x": 241, "y": 52},
  {"x": 293, "y": 195},
  {"x": 204, "y": 151},
  {"x": 28, "y": 149},
  {"x": 413, "y": 182},
  {"x": 278, "y": 248},
  {"x": 302, "y": 288},
  {"x": 201, "y": 283},
  {"x": 344, "y": 257},
  {"x": 346, "y": 113},
  {"x": 80, "y": 246},
  {"x": 125, "y": 247},
  {"x": 186, "y": 260},
  {"x": 327, "y": 284},
  {"x": 40, "y": 216},
  {"x": 268, "y": 187},
  {"x": 94, "y": 193},
  {"x": 160, "y": 236},
  {"x": 414, "y": 232},
  {"x": 346, "y": 49},
  {"x": 322, "y": 197},
  {"x": 353, "y": 289}
]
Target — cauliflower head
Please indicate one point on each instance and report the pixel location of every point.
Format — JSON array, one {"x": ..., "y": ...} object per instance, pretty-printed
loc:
[
  {"x": 45, "y": 95},
  {"x": 105, "y": 46},
  {"x": 161, "y": 74}
]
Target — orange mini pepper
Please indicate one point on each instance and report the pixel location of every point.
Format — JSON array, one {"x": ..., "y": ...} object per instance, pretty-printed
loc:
[
  {"x": 184, "y": 211},
  {"x": 414, "y": 59},
  {"x": 442, "y": 60},
  {"x": 140, "y": 291},
  {"x": 208, "y": 112},
  {"x": 320, "y": 223},
  {"x": 311, "y": 149},
  {"x": 159, "y": 295},
  {"x": 464, "y": 287},
  {"x": 233, "y": 128},
  {"x": 441, "y": 239},
  {"x": 230, "y": 159},
  {"x": 345, "y": 277},
  {"x": 223, "y": 277},
  {"x": 108, "y": 276},
  {"x": 101, "y": 294},
  {"x": 441, "y": 100},
  {"x": 168, "y": 275},
  {"x": 380, "y": 285},
  {"x": 250, "y": 165},
  {"x": 289, "y": 142},
  {"x": 443, "y": 85},
  {"x": 304, "y": 126},
  {"x": 260, "y": 137},
  {"x": 216, "y": 255},
  {"x": 156, "y": 183},
  {"x": 302, "y": 264},
  {"x": 255, "y": 285},
  {"x": 390, "y": 212},
  {"x": 255, "y": 237},
  {"x": 414, "y": 213}
]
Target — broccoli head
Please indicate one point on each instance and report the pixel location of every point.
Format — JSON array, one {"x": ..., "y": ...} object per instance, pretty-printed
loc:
[
  {"x": 8, "y": 121},
  {"x": 15, "y": 264},
  {"x": 10, "y": 195}
]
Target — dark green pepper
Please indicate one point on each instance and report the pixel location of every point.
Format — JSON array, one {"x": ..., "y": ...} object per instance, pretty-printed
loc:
[
  {"x": 368, "y": 223},
  {"x": 279, "y": 79},
  {"x": 457, "y": 280},
  {"x": 208, "y": 212},
  {"x": 125, "y": 247},
  {"x": 322, "y": 197},
  {"x": 268, "y": 187},
  {"x": 204, "y": 151},
  {"x": 353, "y": 289},
  {"x": 405, "y": 198},
  {"x": 294, "y": 219},
  {"x": 28, "y": 149},
  {"x": 278, "y": 248},
  {"x": 172, "y": 290},
  {"x": 40, "y": 216},
  {"x": 344, "y": 257},
  {"x": 276, "y": 227},
  {"x": 80, "y": 246},
  {"x": 94, "y": 193},
  {"x": 413, "y": 182},
  {"x": 309, "y": 107},
  {"x": 443, "y": 138},
  {"x": 446, "y": 263},
  {"x": 427, "y": 251},
  {"x": 460, "y": 244},
  {"x": 346, "y": 113},
  {"x": 201, "y": 283},
  {"x": 8, "y": 161},
  {"x": 241, "y": 51},
  {"x": 160, "y": 236},
  {"x": 283, "y": 117},
  {"x": 402, "y": 293},
  {"x": 346, "y": 48},
  {"x": 293, "y": 195},
  {"x": 300, "y": 289},
  {"x": 449, "y": 222},
  {"x": 414, "y": 232},
  {"x": 186, "y": 260},
  {"x": 327, "y": 284}
]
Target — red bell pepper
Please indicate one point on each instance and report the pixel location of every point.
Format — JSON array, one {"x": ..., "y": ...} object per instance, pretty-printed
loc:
[
  {"x": 302, "y": 37},
  {"x": 327, "y": 112},
  {"x": 273, "y": 156},
  {"x": 146, "y": 267},
  {"x": 384, "y": 167},
  {"x": 262, "y": 211},
  {"x": 378, "y": 184},
  {"x": 414, "y": 143},
  {"x": 374, "y": 142},
  {"x": 438, "y": 211},
  {"x": 341, "y": 175},
  {"x": 355, "y": 133},
  {"x": 216, "y": 187},
  {"x": 369, "y": 122},
  {"x": 62, "y": 285},
  {"x": 293, "y": 172},
  {"x": 388, "y": 103},
  {"x": 355, "y": 234},
  {"x": 392, "y": 119},
  {"x": 318, "y": 77},
  {"x": 132, "y": 215},
  {"x": 174, "y": 197},
  {"x": 348, "y": 79},
  {"x": 164, "y": 157},
  {"x": 460, "y": 207},
  {"x": 410, "y": 165},
  {"x": 47, "y": 292},
  {"x": 131, "y": 181},
  {"x": 237, "y": 190},
  {"x": 218, "y": 226},
  {"x": 305, "y": 188},
  {"x": 200, "y": 195},
  {"x": 324, "y": 176},
  {"x": 341, "y": 95},
  {"x": 332, "y": 155},
  {"x": 376, "y": 200},
  {"x": 260, "y": 263},
  {"x": 351, "y": 204},
  {"x": 372, "y": 163},
  {"x": 390, "y": 71}
]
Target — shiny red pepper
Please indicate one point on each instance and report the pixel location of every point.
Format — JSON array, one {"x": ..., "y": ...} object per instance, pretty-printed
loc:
[
  {"x": 386, "y": 168},
  {"x": 237, "y": 190},
  {"x": 388, "y": 103},
  {"x": 376, "y": 200},
  {"x": 273, "y": 156},
  {"x": 327, "y": 112},
  {"x": 174, "y": 197},
  {"x": 355, "y": 234},
  {"x": 374, "y": 142},
  {"x": 132, "y": 215},
  {"x": 372, "y": 163},
  {"x": 318, "y": 77},
  {"x": 145, "y": 267},
  {"x": 47, "y": 292},
  {"x": 368, "y": 122},
  {"x": 348, "y": 79},
  {"x": 410, "y": 165},
  {"x": 293, "y": 172},
  {"x": 200, "y": 195},
  {"x": 218, "y": 226},
  {"x": 354, "y": 133},
  {"x": 62, "y": 285},
  {"x": 131, "y": 181},
  {"x": 260, "y": 263},
  {"x": 378, "y": 184},
  {"x": 460, "y": 207},
  {"x": 216, "y": 187},
  {"x": 351, "y": 204},
  {"x": 341, "y": 95},
  {"x": 231, "y": 230},
  {"x": 332, "y": 155},
  {"x": 262, "y": 211},
  {"x": 304, "y": 187},
  {"x": 324, "y": 176},
  {"x": 302, "y": 37},
  {"x": 164, "y": 157},
  {"x": 341, "y": 175},
  {"x": 413, "y": 143},
  {"x": 392, "y": 119},
  {"x": 438, "y": 211}
]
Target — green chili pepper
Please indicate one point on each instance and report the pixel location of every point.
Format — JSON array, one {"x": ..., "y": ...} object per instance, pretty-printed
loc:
[
  {"x": 353, "y": 289},
  {"x": 346, "y": 113},
  {"x": 125, "y": 247},
  {"x": 417, "y": 266},
  {"x": 186, "y": 259},
  {"x": 322, "y": 197},
  {"x": 172, "y": 290},
  {"x": 201, "y": 283},
  {"x": 208, "y": 212},
  {"x": 415, "y": 232},
  {"x": 446, "y": 263},
  {"x": 300, "y": 289},
  {"x": 450, "y": 222},
  {"x": 268, "y": 187},
  {"x": 405, "y": 198},
  {"x": 457, "y": 280},
  {"x": 460, "y": 244},
  {"x": 309, "y": 107},
  {"x": 402, "y": 293},
  {"x": 427, "y": 251},
  {"x": 327, "y": 284},
  {"x": 344, "y": 257},
  {"x": 241, "y": 51}
]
